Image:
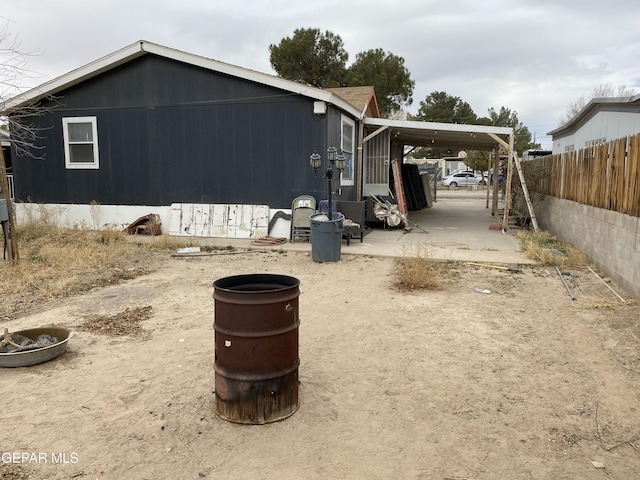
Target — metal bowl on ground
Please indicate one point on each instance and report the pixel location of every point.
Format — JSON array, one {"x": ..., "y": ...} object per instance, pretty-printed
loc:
[{"x": 35, "y": 356}]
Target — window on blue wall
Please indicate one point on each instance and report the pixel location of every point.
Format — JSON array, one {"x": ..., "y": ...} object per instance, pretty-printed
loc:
[
  {"x": 347, "y": 141},
  {"x": 80, "y": 142}
]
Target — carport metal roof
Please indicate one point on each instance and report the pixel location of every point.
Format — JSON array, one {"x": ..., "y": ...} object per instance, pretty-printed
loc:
[{"x": 443, "y": 135}]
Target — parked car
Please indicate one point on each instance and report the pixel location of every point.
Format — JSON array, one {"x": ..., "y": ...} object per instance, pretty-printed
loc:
[{"x": 463, "y": 179}]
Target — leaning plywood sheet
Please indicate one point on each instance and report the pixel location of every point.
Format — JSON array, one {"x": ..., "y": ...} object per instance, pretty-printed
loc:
[
  {"x": 219, "y": 220},
  {"x": 425, "y": 179},
  {"x": 397, "y": 180}
]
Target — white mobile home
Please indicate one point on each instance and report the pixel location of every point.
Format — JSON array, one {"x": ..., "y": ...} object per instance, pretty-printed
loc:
[{"x": 600, "y": 121}]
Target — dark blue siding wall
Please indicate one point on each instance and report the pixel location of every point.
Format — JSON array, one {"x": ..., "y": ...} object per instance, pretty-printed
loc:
[{"x": 170, "y": 132}]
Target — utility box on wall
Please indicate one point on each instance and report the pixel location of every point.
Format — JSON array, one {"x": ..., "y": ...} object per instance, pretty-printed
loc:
[{"x": 4, "y": 211}]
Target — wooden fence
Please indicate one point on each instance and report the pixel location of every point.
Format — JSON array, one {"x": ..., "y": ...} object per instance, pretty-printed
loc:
[{"x": 604, "y": 176}]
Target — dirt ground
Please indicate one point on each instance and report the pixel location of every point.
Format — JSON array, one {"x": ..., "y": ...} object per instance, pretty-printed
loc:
[{"x": 453, "y": 384}]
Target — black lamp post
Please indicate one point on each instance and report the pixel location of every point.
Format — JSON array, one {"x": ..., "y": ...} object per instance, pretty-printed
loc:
[{"x": 334, "y": 158}]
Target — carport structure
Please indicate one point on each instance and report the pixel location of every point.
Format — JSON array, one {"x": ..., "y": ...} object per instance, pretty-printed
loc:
[{"x": 386, "y": 140}]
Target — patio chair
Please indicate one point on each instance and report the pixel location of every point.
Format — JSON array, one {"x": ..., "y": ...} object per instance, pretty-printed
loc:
[
  {"x": 353, "y": 219},
  {"x": 302, "y": 208}
]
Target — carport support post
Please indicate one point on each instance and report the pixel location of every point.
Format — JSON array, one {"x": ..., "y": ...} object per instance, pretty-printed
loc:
[
  {"x": 488, "y": 179},
  {"x": 494, "y": 202},
  {"x": 507, "y": 196}
]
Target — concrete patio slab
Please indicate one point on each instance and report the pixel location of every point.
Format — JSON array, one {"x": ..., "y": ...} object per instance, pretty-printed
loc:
[{"x": 456, "y": 228}]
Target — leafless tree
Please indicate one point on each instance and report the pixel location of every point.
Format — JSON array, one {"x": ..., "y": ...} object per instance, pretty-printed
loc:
[
  {"x": 13, "y": 73},
  {"x": 24, "y": 134},
  {"x": 604, "y": 90}
]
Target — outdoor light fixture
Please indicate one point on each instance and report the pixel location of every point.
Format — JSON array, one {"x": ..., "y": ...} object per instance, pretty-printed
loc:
[
  {"x": 331, "y": 153},
  {"x": 315, "y": 161},
  {"x": 334, "y": 159}
]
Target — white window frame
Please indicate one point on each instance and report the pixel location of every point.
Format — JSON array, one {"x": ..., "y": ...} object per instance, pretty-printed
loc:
[
  {"x": 348, "y": 181},
  {"x": 94, "y": 142}
]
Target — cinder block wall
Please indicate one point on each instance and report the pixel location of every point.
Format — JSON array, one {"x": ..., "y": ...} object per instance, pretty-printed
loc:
[{"x": 610, "y": 239}]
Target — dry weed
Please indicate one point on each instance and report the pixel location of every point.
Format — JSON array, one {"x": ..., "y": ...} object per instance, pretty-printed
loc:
[
  {"x": 165, "y": 242},
  {"x": 57, "y": 262},
  {"x": 126, "y": 322},
  {"x": 96, "y": 214},
  {"x": 60, "y": 262},
  {"x": 417, "y": 270},
  {"x": 546, "y": 249},
  {"x": 12, "y": 471}
]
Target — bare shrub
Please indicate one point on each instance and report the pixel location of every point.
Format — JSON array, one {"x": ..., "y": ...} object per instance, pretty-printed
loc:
[{"x": 417, "y": 270}]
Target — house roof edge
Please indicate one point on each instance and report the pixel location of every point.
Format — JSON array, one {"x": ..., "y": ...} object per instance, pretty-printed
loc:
[
  {"x": 590, "y": 107},
  {"x": 143, "y": 47}
]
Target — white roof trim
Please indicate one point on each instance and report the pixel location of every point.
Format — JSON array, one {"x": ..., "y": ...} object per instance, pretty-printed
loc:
[
  {"x": 450, "y": 127},
  {"x": 142, "y": 47}
]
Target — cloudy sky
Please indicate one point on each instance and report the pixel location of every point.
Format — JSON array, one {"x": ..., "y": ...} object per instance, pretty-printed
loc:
[{"x": 534, "y": 57}]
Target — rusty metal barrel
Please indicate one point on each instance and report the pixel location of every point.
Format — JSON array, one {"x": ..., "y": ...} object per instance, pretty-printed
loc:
[{"x": 256, "y": 347}]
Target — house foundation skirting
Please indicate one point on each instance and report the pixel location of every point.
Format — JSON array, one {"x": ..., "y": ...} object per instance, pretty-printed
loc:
[
  {"x": 610, "y": 239},
  {"x": 185, "y": 220}
]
